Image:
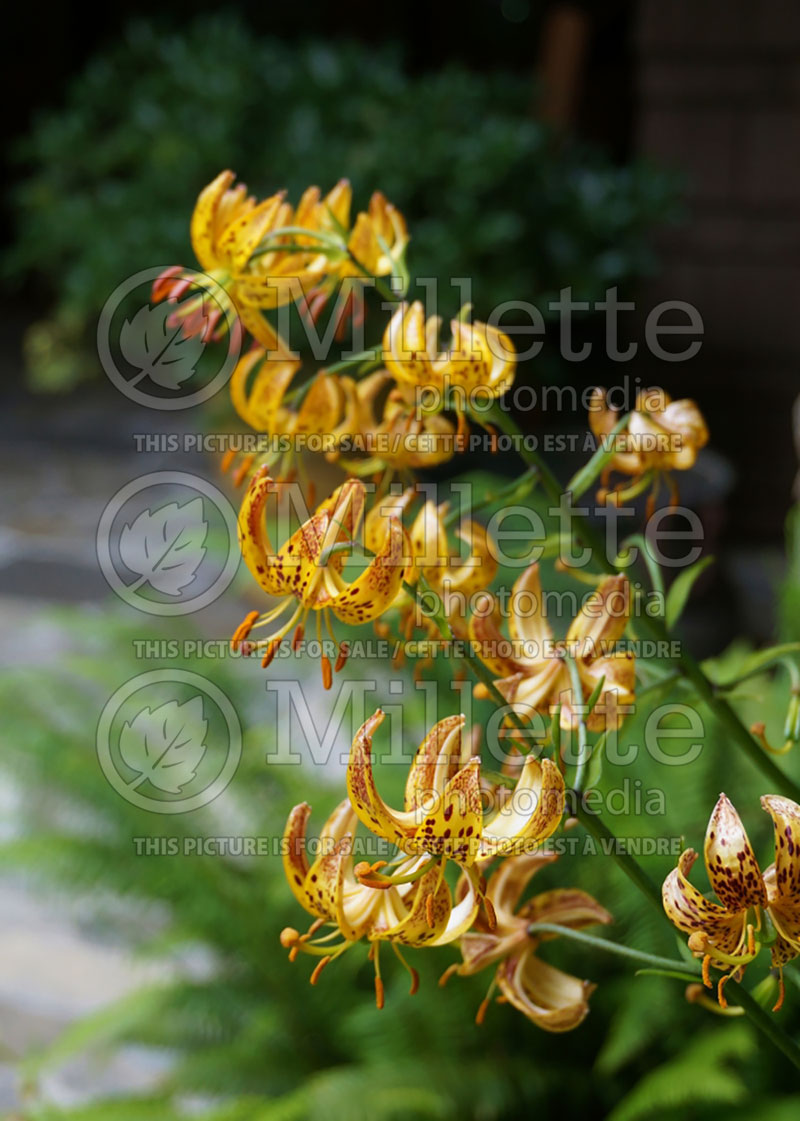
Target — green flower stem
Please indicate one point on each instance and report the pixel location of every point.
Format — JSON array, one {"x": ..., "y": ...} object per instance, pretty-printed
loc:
[
  {"x": 653, "y": 961},
  {"x": 689, "y": 668}
]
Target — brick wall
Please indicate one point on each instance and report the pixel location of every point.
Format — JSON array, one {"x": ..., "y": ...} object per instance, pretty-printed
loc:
[{"x": 719, "y": 97}]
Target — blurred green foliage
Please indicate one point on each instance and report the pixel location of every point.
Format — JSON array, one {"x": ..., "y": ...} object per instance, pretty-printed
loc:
[
  {"x": 112, "y": 174},
  {"x": 250, "y": 1040}
]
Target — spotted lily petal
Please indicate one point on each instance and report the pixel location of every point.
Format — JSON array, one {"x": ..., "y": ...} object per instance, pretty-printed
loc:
[
  {"x": 257, "y": 551},
  {"x": 730, "y": 861},
  {"x": 564, "y": 907},
  {"x": 691, "y": 912},
  {"x": 552, "y": 999},
  {"x": 396, "y": 827},
  {"x": 480, "y": 356},
  {"x": 376, "y": 588},
  {"x": 785, "y": 816},
  {"x": 203, "y": 227},
  {"x": 533, "y": 812}
]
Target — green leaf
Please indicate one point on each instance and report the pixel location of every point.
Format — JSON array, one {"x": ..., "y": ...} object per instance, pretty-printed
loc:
[{"x": 681, "y": 589}]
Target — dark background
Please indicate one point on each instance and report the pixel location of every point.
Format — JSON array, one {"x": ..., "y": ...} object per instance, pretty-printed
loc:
[{"x": 710, "y": 90}]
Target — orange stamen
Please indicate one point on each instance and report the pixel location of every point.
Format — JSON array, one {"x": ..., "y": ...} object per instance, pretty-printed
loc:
[
  {"x": 227, "y": 460},
  {"x": 378, "y": 992},
  {"x": 480, "y": 1015},
  {"x": 706, "y": 974},
  {"x": 300, "y": 630},
  {"x": 271, "y": 651},
  {"x": 343, "y": 655},
  {"x": 243, "y": 630},
  {"x": 720, "y": 993},
  {"x": 241, "y": 471},
  {"x": 448, "y": 973},
  {"x": 327, "y": 673},
  {"x": 781, "y": 994},
  {"x": 318, "y": 969}
]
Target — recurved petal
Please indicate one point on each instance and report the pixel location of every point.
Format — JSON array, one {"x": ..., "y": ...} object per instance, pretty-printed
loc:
[
  {"x": 785, "y": 816},
  {"x": 492, "y": 648},
  {"x": 321, "y": 408},
  {"x": 293, "y": 851},
  {"x": 203, "y": 225},
  {"x": 785, "y": 914},
  {"x": 730, "y": 861},
  {"x": 437, "y": 759},
  {"x": 452, "y": 824},
  {"x": 564, "y": 907},
  {"x": 241, "y": 236},
  {"x": 404, "y": 345},
  {"x": 601, "y": 620},
  {"x": 531, "y": 814},
  {"x": 527, "y": 623},
  {"x": 480, "y": 566},
  {"x": 691, "y": 912},
  {"x": 257, "y": 551},
  {"x": 258, "y": 405},
  {"x": 429, "y": 910},
  {"x": 480, "y": 355},
  {"x": 396, "y": 827},
  {"x": 552, "y": 999},
  {"x": 376, "y": 588},
  {"x": 463, "y": 913}
]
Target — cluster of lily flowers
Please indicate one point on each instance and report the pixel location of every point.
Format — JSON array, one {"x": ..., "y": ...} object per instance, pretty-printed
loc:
[{"x": 455, "y": 874}]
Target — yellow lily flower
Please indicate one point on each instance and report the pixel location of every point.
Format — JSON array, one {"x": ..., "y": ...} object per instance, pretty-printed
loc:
[
  {"x": 417, "y": 910},
  {"x": 228, "y": 229},
  {"x": 443, "y": 814},
  {"x": 480, "y": 357},
  {"x": 452, "y": 578},
  {"x": 726, "y": 934},
  {"x": 550, "y": 998},
  {"x": 381, "y": 420},
  {"x": 307, "y": 569},
  {"x": 661, "y": 435},
  {"x": 258, "y": 389},
  {"x": 530, "y": 665},
  {"x": 378, "y": 239}
]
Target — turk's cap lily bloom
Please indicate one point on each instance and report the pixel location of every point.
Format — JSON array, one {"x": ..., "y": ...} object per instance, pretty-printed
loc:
[
  {"x": 308, "y": 569},
  {"x": 729, "y": 934},
  {"x": 443, "y": 812},
  {"x": 479, "y": 357},
  {"x": 259, "y": 385},
  {"x": 550, "y": 998},
  {"x": 417, "y": 911},
  {"x": 378, "y": 239},
  {"x": 530, "y": 666},
  {"x": 239, "y": 244},
  {"x": 661, "y": 434},
  {"x": 432, "y": 554},
  {"x": 380, "y": 418}
]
